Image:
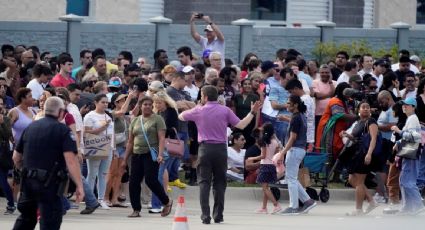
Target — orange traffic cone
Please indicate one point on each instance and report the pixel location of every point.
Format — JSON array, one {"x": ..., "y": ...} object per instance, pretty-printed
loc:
[{"x": 180, "y": 218}]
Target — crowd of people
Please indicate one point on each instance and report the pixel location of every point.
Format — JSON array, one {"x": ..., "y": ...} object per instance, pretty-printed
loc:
[{"x": 252, "y": 122}]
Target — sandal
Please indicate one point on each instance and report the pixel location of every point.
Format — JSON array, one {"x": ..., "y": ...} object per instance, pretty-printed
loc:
[
  {"x": 134, "y": 214},
  {"x": 371, "y": 207},
  {"x": 357, "y": 212},
  {"x": 120, "y": 205},
  {"x": 167, "y": 209}
]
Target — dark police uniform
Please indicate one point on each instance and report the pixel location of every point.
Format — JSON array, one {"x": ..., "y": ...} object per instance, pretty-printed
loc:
[{"x": 42, "y": 145}]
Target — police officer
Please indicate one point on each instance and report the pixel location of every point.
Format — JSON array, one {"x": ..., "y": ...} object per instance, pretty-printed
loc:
[{"x": 44, "y": 153}]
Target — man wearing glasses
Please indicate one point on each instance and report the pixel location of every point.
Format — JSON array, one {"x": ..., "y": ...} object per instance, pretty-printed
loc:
[{"x": 86, "y": 59}]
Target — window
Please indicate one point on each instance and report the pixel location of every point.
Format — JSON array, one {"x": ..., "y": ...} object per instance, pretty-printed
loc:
[
  {"x": 420, "y": 12},
  {"x": 77, "y": 7},
  {"x": 268, "y": 10}
]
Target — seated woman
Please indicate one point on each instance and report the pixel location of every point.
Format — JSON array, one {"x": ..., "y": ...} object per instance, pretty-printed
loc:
[
  {"x": 235, "y": 160},
  {"x": 252, "y": 166}
]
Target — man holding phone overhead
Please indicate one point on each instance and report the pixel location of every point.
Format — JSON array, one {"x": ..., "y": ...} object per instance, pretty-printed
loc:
[{"x": 214, "y": 38}]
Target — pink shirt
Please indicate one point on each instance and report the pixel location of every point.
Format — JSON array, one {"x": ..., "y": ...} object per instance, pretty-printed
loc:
[
  {"x": 270, "y": 152},
  {"x": 60, "y": 81},
  {"x": 212, "y": 120},
  {"x": 321, "y": 87}
]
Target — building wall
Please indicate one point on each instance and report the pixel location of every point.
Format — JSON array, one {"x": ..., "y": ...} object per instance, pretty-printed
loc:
[
  {"x": 348, "y": 13},
  {"x": 116, "y": 11},
  {"x": 140, "y": 39},
  {"x": 390, "y": 11},
  {"x": 32, "y": 10},
  {"x": 221, "y": 11}
]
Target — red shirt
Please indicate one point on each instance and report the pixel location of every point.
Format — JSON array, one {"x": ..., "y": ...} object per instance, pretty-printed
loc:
[{"x": 61, "y": 81}]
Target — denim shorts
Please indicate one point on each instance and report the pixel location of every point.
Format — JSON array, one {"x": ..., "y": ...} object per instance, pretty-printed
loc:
[{"x": 121, "y": 151}]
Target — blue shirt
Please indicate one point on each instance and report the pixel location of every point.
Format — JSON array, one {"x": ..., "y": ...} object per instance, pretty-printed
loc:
[
  {"x": 385, "y": 118},
  {"x": 306, "y": 77},
  {"x": 74, "y": 72},
  {"x": 280, "y": 95}
]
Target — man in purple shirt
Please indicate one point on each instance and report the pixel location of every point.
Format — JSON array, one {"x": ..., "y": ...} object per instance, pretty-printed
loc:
[{"x": 212, "y": 120}]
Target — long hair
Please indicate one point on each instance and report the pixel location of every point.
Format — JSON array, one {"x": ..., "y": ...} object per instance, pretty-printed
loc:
[
  {"x": 266, "y": 134},
  {"x": 163, "y": 96},
  {"x": 302, "y": 108}
]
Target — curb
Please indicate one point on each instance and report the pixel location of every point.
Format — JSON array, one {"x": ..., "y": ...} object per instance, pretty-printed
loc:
[{"x": 255, "y": 193}]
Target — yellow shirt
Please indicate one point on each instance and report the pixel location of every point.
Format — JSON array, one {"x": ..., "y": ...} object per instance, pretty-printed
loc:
[{"x": 109, "y": 68}]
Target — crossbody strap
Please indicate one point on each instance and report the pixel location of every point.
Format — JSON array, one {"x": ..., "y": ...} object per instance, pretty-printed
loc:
[{"x": 144, "y": 131}]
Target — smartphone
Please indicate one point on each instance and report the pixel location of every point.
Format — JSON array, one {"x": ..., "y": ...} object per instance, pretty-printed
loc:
[{"x": 199, "y": 15}]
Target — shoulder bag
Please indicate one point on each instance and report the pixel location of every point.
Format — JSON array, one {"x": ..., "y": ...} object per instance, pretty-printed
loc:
[
  {"x": 152, "y": 151},
  {"x": 97, "y": 146},
  {"x": 175, "y": 147},
  {"x": 366, "y": 138},
  {"x": 121, "y": 137}
]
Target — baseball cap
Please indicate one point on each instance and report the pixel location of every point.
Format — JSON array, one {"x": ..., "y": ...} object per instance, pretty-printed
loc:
[
  {"x": 415, "y": 58},
  {"x": 156, "y": 86},
  {"x": 382, "y": 62},
  {"x": 115, "y": 82},
  {"x": 355, "y": 78},
  {"x": 206, "y": 53},
  {"x": 121, "y": 96},
  {"x": 266, "y": 65},
  {"x": 410, "y": 101},
  {"x": 187, "y": 69},
  {"x": 208, "y": 28}
]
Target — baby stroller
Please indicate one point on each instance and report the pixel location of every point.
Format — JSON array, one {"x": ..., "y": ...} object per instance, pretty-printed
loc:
[{"x": 318, "y": 168}]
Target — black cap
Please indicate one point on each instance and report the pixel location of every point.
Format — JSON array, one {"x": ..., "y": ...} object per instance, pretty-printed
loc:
[{"x": 382, "y": 62}]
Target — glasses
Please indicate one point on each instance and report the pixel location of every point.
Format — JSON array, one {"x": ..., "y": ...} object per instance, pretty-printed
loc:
[
  {"x": 373, "y": 87},
  {"x": 410, "y": 81},
  {"x": 277, "y": 69},
  {"x": 133, "y": 75},
  {"x": 216, "y": 59}
]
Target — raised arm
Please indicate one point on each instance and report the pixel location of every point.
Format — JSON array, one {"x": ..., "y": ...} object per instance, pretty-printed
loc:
[
  {"x": 193, "y": 32},
  {"x": 217, "y": 30}
]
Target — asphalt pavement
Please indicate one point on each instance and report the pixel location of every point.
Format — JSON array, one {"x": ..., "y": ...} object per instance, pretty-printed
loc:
[{"x": 239, "y": 215}]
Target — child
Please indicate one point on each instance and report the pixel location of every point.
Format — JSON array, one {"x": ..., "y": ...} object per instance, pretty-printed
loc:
[{"x": 267, "y": 174}]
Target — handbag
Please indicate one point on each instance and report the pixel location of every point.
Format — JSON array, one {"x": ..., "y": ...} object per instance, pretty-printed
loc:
[
  {"x": 121, "y": 137},
  {"x": 175, "y": 147},
  {"x": 152, "y": 151},
  {"x": 409, "y": 150}
]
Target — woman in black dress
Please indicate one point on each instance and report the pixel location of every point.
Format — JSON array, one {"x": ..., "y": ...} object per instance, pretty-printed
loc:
[
  {"x": 361, "y": 162},
  {"x": 242, "y": 106}
]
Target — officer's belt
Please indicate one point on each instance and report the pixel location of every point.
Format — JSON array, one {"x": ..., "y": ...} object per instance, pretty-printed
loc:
[{"x": 38, "y": 174}]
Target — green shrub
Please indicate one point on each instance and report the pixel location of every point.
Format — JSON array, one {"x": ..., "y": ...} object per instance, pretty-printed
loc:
[{"x": 324, "y": 52}]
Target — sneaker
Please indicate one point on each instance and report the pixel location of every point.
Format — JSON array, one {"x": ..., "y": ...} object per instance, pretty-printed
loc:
[
  {"x": 10, "y": 210},
  {"x": 308, "y": 205},
  {"x": 73, "y": 206},
  {"x": 379, "y": 199},
  {"x": 391, "y": 209},
  {"x": 155, "y": 210},
  {"x": 178, "y": 183},
  {"x": 419, "y": 211},
  {"x": 169, "y": 189},
  {"x": 290, "y": 212},
  {"x": 277, "y": 209},
  {"x": 89, "y": 210},
  {"x": 104, "y": 205},
  {"x": 262, "y": 211},
  {"x": 282, "y": 182}
]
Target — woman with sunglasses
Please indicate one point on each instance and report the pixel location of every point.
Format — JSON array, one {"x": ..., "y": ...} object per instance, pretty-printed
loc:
[
  {"x": 146, "y": 141},
  {"x": 120, "y": 103}
]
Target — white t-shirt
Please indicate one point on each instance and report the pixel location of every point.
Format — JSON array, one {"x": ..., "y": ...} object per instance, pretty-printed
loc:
[
  {"x": 95, "y": 120},
  {"x": 396, "y": 66},
  {"x": 216, "y": 45},
  {"x": 379, "y": 78},
  {"x": 193, "y": 92},
  {"x": 343, "y": 78},
  {"x": 36, "y": 89},
  {"x": 411, "y": 94},
  {"x": 235, "y": 159},
  {"x": 75, "y": 112},
  {"x": 311, "y": 109}
]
